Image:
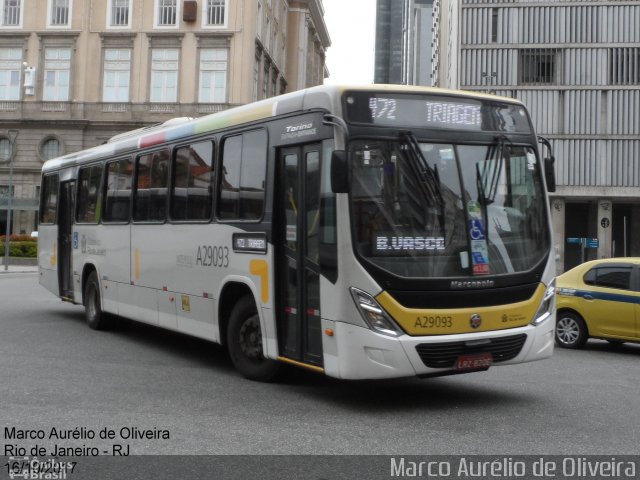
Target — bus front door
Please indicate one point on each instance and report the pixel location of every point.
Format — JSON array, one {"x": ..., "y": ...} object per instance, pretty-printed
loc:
[
  {"x": 65, "y": 244},
  {"x": 297, "y": 254}
]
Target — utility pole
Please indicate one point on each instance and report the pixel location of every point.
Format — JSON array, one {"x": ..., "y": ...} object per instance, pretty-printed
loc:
[{"x": 13, "y": 134}]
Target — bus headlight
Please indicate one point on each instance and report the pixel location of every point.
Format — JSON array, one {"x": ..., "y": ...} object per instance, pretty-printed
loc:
[
  {"x": 373, "y": 314},
  {"x": 545, "y": 310}
]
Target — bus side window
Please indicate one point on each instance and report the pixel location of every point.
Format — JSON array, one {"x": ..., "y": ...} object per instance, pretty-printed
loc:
[
  {"x": 49, "y": 199},
  {"x": 118, "y": 191},
  {"x": 152, "y": 177},
  {"x": 192, "y": 182},
  {"x": 243, "y": 176},
  {"x": 89, "y": 180}
]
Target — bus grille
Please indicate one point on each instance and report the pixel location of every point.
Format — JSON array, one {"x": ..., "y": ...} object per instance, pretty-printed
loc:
[{"x": 444, "y": 355}]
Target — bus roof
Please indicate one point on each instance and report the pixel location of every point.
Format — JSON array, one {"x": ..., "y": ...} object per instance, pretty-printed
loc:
[{"x": 322, "y": 96}]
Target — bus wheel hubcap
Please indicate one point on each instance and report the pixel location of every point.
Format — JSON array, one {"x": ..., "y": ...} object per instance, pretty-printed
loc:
[{"x": 251, "y": 338}]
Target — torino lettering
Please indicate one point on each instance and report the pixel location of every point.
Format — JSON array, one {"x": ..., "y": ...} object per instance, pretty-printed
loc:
[{"x": 296, "y": 128}]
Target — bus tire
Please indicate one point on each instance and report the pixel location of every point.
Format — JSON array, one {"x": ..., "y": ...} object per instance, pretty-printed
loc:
[
  {"x": 244, "y": 341},
  {"x": 93, "y": 314},
  {"x": 571, "y": 331}
]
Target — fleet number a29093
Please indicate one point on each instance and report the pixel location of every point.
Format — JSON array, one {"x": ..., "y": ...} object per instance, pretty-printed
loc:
[{"x": 212, "y": 256}]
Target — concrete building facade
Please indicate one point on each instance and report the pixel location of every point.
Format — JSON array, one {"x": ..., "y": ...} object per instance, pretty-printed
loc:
[
  {"x": 73, "y": 73},
  {"x": 576, "y": 65},
  {"x": 404, "y": 42}
]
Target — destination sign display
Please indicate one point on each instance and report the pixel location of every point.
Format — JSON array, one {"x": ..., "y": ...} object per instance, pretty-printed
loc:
[{"x": 428, "y": 111}]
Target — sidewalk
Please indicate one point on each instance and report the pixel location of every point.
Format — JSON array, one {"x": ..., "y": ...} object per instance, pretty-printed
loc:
[{"x": 19, "y": 269}]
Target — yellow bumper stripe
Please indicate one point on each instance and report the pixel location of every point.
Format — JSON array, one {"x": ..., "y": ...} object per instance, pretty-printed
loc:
[{"x": 458, "y": 320}]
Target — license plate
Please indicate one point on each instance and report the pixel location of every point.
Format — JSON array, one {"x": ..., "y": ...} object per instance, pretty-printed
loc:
[{"x": 478, "y": 361}]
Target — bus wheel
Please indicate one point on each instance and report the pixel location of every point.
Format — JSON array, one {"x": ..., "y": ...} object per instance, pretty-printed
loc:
[
  {"x": 571, "y": 331},
  {"x": 244, "y": 340},
  {"x": 96, "y": 318}
]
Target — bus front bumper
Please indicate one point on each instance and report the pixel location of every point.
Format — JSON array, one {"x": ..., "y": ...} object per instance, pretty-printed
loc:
[{"x": 354, "y": 352}]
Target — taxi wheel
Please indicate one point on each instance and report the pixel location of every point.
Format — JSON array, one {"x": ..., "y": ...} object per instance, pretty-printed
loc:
[{"x": 571, "y": 331}]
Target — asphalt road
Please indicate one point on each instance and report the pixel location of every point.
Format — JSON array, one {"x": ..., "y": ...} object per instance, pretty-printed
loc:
[{"x": 57, "y": 373}]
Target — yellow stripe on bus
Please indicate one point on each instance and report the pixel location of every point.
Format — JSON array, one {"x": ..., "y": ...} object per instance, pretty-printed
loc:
[
  {"x": 137, "y": 264},
  {"x": 416, "y": 321},
  {"x": 261, "y": 269},
  {"x": 300, "y": 364}
]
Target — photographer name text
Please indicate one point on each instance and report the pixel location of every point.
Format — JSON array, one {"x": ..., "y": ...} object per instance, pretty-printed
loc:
[{"x": 76, "y": 442}]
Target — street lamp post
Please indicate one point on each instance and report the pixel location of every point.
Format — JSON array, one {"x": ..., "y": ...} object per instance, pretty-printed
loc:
[{"x": 7, "y": 239}]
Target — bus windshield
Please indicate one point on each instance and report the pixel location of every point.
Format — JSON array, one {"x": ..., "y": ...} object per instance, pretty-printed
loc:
[{"x": 447, "y": 210}]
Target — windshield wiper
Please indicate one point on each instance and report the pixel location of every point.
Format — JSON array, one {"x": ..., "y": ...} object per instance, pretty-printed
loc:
[
  {"x": 428, "y": 180},
  {"x": 489, "y": 179}
]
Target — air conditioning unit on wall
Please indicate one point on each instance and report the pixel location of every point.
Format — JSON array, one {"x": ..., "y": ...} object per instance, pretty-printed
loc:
[{"x": 189, "y": 11}]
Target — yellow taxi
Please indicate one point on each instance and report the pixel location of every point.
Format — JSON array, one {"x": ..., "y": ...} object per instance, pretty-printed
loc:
[{"x": 599, "y": 299}]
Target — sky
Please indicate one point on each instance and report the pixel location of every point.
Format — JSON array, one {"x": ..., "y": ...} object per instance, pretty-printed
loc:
[{"x": 351, "y": 25}]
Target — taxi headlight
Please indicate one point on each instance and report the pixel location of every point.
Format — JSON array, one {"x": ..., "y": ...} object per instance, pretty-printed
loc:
[
  {"x": 546, "y": 308},
  {"x": 373, "y": 314}
]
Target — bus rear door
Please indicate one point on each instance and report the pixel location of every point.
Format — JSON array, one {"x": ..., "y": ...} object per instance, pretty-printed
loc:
[{"x": 65, "y": 242}]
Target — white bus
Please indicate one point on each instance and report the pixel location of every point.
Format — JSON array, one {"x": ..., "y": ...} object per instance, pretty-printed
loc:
[{"x": 368, "y": 232}]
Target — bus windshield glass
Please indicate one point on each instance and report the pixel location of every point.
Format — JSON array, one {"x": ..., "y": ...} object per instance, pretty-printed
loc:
[{"x": 443, "y": 210}]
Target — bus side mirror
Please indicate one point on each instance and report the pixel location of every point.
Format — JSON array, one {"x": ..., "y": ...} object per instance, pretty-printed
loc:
[
  {"x": 339, "y": 172},
  {"x": 550, "y": 173}
]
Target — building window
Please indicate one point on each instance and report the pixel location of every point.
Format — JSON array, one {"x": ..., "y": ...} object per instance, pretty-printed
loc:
[
  {"x": 215, "y": 12},
  {"x": 259, "y": 20},
  {"x": 265, "y": 81},
  {"x": 5, "y": 149},
  {"x": 167, "y": 13},
  {"x": 494, "y": 25},
  {"x": 256, "y": 76},
  {"x": 213, "y": 75},
  {"x": 117, "y": 73},
  {"x": 538, "y": 66},
  {"x": 624, "y": 66},
  {"x": 118, "y": 13},
  {"x": 10, "y": 69},
  {"x": 11, "y": 13},
  {"x": 59, "y": 13},
  {"x": 50, "y": 148},
  {"x": 267, "y": 34},
  {"x": 164, "y": 75},
  {"x": 57, "y": 68},
  {"x": 4, "y": 192}
]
